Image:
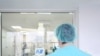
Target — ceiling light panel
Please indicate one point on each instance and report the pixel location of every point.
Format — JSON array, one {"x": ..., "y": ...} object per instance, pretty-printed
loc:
[{"x": 16, "y": 27}]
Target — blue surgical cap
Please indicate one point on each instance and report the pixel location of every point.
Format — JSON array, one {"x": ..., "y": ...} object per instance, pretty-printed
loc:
[{"x": 65, "y": 33}]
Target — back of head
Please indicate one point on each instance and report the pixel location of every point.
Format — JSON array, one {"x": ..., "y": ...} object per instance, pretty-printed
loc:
[{"x": 65, "y": 33}]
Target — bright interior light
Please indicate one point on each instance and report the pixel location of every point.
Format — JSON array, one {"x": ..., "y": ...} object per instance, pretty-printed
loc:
[
  {"x": 35, "y": 13},
  {"x": 43, "y": 13},
  {"x": 41, "y": 29},
  {"x": 23, "y": 31},
  {"x": 28, "y": 29},
  {"x": 70, "y": 13},
  {"x": 16, "y": 27},
  {"x": 27, "y": 13},
  {"x": 41, "y": 26}
]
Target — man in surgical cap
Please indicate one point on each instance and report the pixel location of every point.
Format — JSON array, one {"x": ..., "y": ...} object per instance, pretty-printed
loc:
[{"x": 66, "y": 35}]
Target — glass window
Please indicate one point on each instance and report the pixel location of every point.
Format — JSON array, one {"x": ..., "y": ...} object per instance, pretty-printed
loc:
[{"x": 31, "y": 33}]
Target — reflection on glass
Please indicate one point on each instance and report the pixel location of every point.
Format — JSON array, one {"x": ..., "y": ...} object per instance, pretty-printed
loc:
[{"x": 32, "y": 34}]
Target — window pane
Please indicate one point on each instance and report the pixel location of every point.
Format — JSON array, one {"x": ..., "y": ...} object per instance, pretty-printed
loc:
[{"x": 31, "y": 33}]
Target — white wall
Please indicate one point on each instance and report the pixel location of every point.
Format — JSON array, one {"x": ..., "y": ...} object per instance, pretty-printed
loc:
[
  {"x": 37, "y": 5},
  {"x": 89, "y": 28}
]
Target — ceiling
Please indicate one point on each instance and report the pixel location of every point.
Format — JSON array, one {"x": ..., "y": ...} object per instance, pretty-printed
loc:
[
  {"x": 43, "y": 5},
  {"x": 37, "y": 5},
  {"x": 51, "y": 21}
]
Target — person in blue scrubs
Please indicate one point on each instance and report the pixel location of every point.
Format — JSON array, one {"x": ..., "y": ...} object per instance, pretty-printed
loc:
[{"x": 66, "y": 34}]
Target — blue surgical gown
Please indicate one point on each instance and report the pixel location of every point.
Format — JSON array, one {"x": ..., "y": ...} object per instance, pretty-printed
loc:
[{"x": 69, "y": 51}]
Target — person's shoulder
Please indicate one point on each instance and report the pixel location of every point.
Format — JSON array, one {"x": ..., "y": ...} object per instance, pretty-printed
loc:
[
  {"x": 76, "y": 51},
  {"x": 69, "y": 51},
  {"x": 85, "y": 54},
  {"x": 82, "y": 53}
]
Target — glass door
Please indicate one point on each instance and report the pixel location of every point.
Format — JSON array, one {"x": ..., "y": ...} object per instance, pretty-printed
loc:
[{"x": 31, "y": 34}]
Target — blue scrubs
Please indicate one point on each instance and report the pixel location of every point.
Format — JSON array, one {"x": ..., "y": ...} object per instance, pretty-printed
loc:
[{"x": 69, "y": 51}]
